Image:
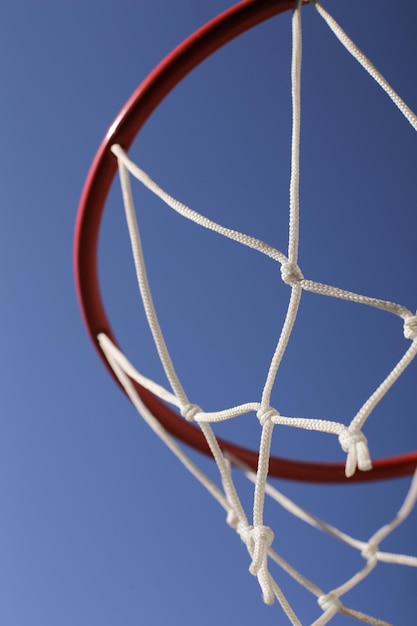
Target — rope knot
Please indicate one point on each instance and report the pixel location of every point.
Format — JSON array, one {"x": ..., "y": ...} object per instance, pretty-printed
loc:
[
  {"x": 354, "y": 443},
  {"x": 410, "y": 327},
  {"x": 260, "y": 538},
  {"x": 369, "y": 552},
  {"x": 266, "y": 415},
  {"x": 330, "y": 602},
  {"x": 291, "y": 273},
  {"x": 190, "y": 412},
  {"x": 232, "y": 520}
]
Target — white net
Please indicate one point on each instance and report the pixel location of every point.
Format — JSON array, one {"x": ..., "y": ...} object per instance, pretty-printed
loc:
[{"x": 256, "y": 535}]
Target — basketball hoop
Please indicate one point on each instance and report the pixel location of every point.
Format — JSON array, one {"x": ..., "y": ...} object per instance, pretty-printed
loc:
[
  {"x": 191, "y": 424},
  {"x": 123, "y": 131}
]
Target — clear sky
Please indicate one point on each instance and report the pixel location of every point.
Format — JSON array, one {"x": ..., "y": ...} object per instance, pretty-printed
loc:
[{"x": 99, "y": 524}]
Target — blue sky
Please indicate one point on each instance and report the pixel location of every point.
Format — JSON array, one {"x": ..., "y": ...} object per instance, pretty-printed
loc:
[{"x": 99, "y": 523}]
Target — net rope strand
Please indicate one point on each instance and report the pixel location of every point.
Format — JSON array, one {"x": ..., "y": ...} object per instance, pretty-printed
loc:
[
  {"x": 257, "y": 536},
  {"x": 363, "y": 60}
]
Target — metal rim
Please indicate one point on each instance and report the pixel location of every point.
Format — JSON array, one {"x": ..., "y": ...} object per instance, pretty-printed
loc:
[{"x": 123, "y": 131}]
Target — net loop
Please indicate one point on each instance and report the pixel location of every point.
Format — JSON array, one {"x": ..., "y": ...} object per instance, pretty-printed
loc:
[
  {"x": 355, "y": 444},
  {"x": 291, "y": 273},
  {"x": 190, "y": 412},
  {"x": 410, "y": 327}
]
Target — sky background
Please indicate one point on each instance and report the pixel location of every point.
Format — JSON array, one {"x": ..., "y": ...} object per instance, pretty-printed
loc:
[{"x": 99, "y": 524}]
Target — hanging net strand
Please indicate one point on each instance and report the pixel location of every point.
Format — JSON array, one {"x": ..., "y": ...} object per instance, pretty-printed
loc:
[{"x": 257, "y": 536}]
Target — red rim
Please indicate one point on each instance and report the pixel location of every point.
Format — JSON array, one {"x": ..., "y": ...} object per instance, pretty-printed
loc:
[{"x": 123, "y": 131}]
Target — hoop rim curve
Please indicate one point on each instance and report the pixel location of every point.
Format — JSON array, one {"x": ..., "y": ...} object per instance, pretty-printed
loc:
[{"x": 132, "y": 117}]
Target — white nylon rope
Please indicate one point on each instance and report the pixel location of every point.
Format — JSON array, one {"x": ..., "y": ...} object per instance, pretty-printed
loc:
[
  {"x": 262, "y": 535},
  {"x": 190, "y": 214},
  {"x": 366, "y": 64},
  {"x": 258, "y": 538},
  {"x": 144, "y": 286}
]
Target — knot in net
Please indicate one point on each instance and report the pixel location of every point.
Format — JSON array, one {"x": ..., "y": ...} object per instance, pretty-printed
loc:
[
  {"x": 355, "y": 444},
  {"x": 291, "y": 273},
  {"x": 190, "y": 412},
  {"x": 232, "y": 520},
  {"x": 259, "y": 539},
  {"x": 266, "y": 416},
  {"x": 410, "y": 327},
  {"x": 369, "y": 553},
  {"x": 329, "y": 602}
]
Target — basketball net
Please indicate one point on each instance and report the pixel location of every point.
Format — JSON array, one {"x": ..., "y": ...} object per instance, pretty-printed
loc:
[{"x": 255, "y": 533}]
